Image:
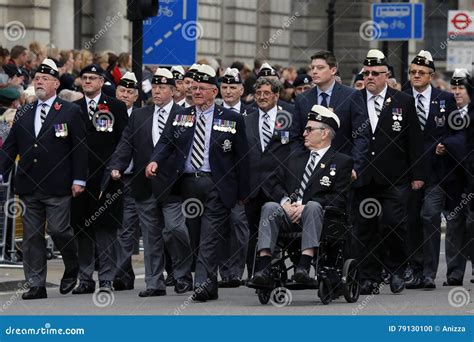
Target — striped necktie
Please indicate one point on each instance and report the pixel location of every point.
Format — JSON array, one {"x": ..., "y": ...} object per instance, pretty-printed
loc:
[
  {"x": 266, "y": 131},
  {"x": 161, "y": 120},
  {"x": 43, "y": 112},
  {"x": 377, "y": 106},
  {"x": 197, "y": 156},
  {"x": 420, "y": 110},
  {"x": 308, "y": 171},
  {"x": 92, "y": 107}
]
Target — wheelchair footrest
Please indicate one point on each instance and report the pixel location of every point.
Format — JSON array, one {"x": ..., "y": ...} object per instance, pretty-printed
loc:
[{"x": 293, "y": 285}]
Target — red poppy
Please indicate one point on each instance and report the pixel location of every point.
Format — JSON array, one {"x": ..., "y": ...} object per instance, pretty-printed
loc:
[
  {"x": 103, "y": 107},
  {"x": 57, "y": 106}
]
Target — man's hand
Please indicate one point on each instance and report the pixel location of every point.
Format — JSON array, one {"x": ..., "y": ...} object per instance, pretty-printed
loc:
[
  {"x": 76, "y": 190},
  {"x": 417, "y": 184},
  {"x": 289, "y": 210},
  {"x": 354, "y": 175},
  {"x": 115, "y": 174},
  {"x": 298, "y": 212},
  {"x": 440, "y": 150},
  {"x": 151, "y": 169}
]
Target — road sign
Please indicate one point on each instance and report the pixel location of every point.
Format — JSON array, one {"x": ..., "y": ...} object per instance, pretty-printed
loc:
[
  {"x": 461, "y": 25},
  {"x": 398, "y": 21},
  {"x": 170, "y": 38}
]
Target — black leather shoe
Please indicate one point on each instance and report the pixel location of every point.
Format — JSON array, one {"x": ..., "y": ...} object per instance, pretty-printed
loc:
[
  {"x": 301, "y": 276},
  {"x": 120, "y": 285},
  {"x": 397, "y": 284},
  {"x": 234, "y": 282},
  {"x": 35, "y": 292},
  {"x": 472, "y": 281},
  {"x": 152, "y": 293},
  {"x": 201, "y": 295},
  {"x": 452, "y": 282},
  {"x": 67, "y": 285},
  {"x": 84, "y": 288},
  {"x": 170, "y": 281},
  {"x": 105, "y": 285},
  {"x": 415, "y": 283},
  {"x": 429, "y": 284},
  {"x": 223, "y": 283},
  {"x": 261, "y": 278},
  {"x": 182, "y": 286}
]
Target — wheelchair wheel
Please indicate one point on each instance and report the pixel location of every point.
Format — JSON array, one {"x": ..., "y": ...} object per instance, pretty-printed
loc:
[
  {"x": 350, "y": 281},
  {"x": 263, "y": 296},
  {"x": 324, "y": 292}
]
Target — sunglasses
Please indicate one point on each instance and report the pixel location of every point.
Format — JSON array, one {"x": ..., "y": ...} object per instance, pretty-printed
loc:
[
  {"x": 419, "y": 72},
  {"x": 309, "y": 129},
  {"x": 374, "y": 73}
]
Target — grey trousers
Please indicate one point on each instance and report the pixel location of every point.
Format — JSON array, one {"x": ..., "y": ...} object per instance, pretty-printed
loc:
[
  {"x": 128, "y": 235},
  {"x": 233, "y": 250},
  {"x": 39, "y": 209},
  {"x": 160, "y": 223},
  {"x": 274, "y": 219}
]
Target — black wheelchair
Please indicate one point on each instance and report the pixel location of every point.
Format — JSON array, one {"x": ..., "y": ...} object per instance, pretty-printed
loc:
[{"x": 335, "y": 274}]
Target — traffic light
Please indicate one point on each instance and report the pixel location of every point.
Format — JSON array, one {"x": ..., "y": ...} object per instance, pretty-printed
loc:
[{"x": 141, "y": 9}]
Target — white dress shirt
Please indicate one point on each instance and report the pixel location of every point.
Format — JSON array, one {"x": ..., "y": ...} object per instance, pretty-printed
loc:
[
  {"x": 154, "y": 130},
  {"x": 373, "y": 117},
  {"x": 272, "y": 113}
]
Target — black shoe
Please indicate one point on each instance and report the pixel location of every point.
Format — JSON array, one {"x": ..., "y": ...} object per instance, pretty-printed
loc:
[
  {"x": 472, "y": 281},
  {"x": 223, "y": 283},
  {"x": 302, "y": 276},
  {"x": 452, "y": 282},
  {"x": 201, "y": 295},
  {"x": 415, "y": 283},
  {"x": 261, "y": 279},
  {"x": 35, "y": 292},
  {"x": 170, "y": 281},
  {"x": 182, "y": 286},
  {"x": 234, "y": 282},
  {"x": 429, "y": 284},
  {"x": 67, "y": 285},
  {"x": 120, "y": 285},
  {"x": 105, "y": 286},
  {"x": 84, "y": 288},
  {"x": 152, "y": 293},
  {"x": 397, "y": 284},
  {"x": 368, "y": 287}
]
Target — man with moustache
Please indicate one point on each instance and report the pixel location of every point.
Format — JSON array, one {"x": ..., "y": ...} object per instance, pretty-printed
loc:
[
  {"x": 49, "y": 136},
  {"x": 96, "y": 216},
  {"x": 159, "y": 212}
]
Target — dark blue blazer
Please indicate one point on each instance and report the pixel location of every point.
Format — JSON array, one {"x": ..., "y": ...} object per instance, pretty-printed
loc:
[
  {"x": 352, "y": 138},
  {"x": 48, "y": 163},
  {"x": 137, "y": 144},
  {"x": 229, "y": 166},
  {"x": 264, "y": 164},
  {"x": 437, "y": 131}
]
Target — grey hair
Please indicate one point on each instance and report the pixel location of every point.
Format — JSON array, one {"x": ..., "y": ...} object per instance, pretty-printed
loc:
[
  {"x": 274, "y": 84},
  {"x": 332, "y": 132}
]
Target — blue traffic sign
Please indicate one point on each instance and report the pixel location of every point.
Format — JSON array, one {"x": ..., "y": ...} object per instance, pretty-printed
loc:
[
  {"x": 397, "y": 21},
  {"x": 170, "y": 38}
]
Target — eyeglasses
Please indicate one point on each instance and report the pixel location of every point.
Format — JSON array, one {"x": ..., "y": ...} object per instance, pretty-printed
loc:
[
  {"x": 419, "y": 72},
  {"x": 263, "y": 94},
  {"x": 374, "y": 73},
  {"x": 201, "y": 88},
  {"x": 309, "y": 129},
  {"x": 90, "y": 78}
]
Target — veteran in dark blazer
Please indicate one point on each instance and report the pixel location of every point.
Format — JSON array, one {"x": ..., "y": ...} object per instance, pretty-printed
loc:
[
  {"x": 211, "y": 167},
  {"x": 270, "y": 136},
  {"x": 96, "y": 216},
  {"x": 308, "y": 182},
  {"x": 395, "y": 165},
  {"x": 49, "y": 137},
  {"x": 434, "y": 110},
  {"x": 160, "y": 214}
]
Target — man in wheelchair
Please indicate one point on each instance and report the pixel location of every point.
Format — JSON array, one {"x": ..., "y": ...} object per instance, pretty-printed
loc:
[{"x": 308, "y": 182}]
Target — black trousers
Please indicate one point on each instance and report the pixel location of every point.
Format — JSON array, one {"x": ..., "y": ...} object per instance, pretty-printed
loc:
[
  {"x": 380, "y": 230},
  {"x": 206, "y": 217}
]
